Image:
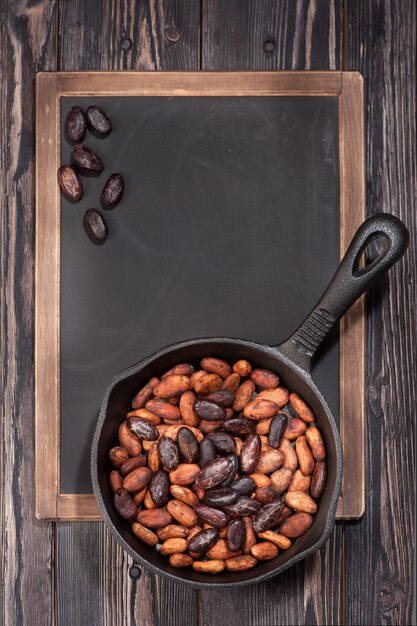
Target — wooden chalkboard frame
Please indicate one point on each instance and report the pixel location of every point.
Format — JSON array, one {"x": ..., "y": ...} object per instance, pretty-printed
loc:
[{"x": 51, "y": 86}]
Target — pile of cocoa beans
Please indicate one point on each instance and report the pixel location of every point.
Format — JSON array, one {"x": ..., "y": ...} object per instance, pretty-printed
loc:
[{"x": 218, "y": 468}]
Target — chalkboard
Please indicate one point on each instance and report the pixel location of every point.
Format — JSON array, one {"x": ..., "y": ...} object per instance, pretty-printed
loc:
[
  {"x": 242, "y": 191},
  {"x": 229, "y": 226}
]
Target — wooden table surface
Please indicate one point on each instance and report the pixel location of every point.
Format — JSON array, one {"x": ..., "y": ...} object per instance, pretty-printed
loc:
[{"x": 74, "y": 573}]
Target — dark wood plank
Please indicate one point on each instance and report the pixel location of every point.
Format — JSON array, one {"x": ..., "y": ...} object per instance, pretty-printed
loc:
[
  {"x": 305, "y": 35},
  {"x": 136, "y": 35},
  {"x": 28, "y": 32},
  {"x": 93, "y": 582},
  {"x": 381, "y": 40},
  {"x": 269, "y": 35}
]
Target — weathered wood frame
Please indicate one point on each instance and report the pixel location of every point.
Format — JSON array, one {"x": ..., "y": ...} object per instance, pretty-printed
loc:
[{"x": 51, "y": 86}]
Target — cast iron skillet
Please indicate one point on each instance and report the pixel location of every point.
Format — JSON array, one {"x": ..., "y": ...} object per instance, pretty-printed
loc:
[{"x": 292, "y": 361}]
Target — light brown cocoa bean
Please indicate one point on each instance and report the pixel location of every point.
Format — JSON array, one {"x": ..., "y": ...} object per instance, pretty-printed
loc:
[
  {"x": 296, "y": 525},
  {"x": 260, "y": 480},
  {"x": 242, "y": 367},
  {"x": 300, "y": 502},
  {"x": 137, "y": 480},
  {"x": 116, "y": 480},
  {"x": 154, "y": 518},
  {"x": 144, "y": 534},
  {"x": 196, "y": 376},
  {"x": 280, "y": 396},
  {"x": 296, "y": 427},
  {"x": 180, "y": 560},
  {"x": 244, "y": 395},
  {"x": 174, "y": 545},
  {"x": 269, "y": 461},
  {"x": 299, "y": 482},
  {"x": 185, "y": 474},
  {"x": 240, "y": 563},
  {"x": 305, "y": 458},
  {"x": 188, "y": 414},
  {"x": 128, "y": 440},
  {"x": 260, "y": 409},
  {"x": 154, "y": 460},
  {"x": 172, "y": 386},
  {"x": 172, "y": 530},
  {"x": 139, "y": 497},
  {"x": 264, "y": 551},
  {"x": 264, "y": 378},
  {"x": 214, "y": 566},
  {"x": 231, "y": 382},
  {"x": 163, "y": 409},
  {"x": 182, "y": 369},
  {"x": 301, "y": 408},
  {"x": 279, "y": 540},
  {"x": 145, "y": 415},
  {"x": 265, "y": 495},
  {"x": 315, "y": 441},
  {"x": 118, "y": 455},
  {"x": 208, "y": 427},
  {"x": 216, "y": 366},
  {"x": 182, "y": 513},
  {"x": 290, "y": 456},
  {"x": 262, "y": 427},
  {"x": 281, "y": 479},
  {"x": 184, "y": 495},
  {"x": 144, "y": 394},
  {"x": 207, "y": 384}
]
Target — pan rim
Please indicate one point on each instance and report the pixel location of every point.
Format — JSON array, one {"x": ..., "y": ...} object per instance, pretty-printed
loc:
[{"x": 306, "y": 376}]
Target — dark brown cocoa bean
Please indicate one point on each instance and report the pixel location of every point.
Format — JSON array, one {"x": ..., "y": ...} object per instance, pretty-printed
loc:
[
  {"x": 214, "y": 473},
  {"x": 143, "y": 429},
  {"x": 113, "y": 191},
  {"x": 124, "y": 504},
  {"x": 75, "y": 124},
  {"x": 240, "y": 426},
  {"x": 234, "y": 462},
  {"x": 207, "y": 452},
  {"x": 85, "y": 159},
  {"x": 224, "y": 397},
  {"x": 159, "y": 488},
  {"x": 70, "y": 183},
  {"x": 209, "y": 410},
  {"x": 235, "y": 535},
  {"x": 214, "y": 517},
  {"x": 223, "y": 442},
  {"x": 220, "y": 497},
  {"x": 243, "y": 506},
  {"x": 244, "y": 486},
  {"x": 250, "y": 454},
  {"x": 268, "y": 515},
  {"x": 95, "y": 226},
  {"x": 318, "y": 480},
  {"x": 203, "y": 541},
  {"x": 169, "y": 453},
  {"x": 188, "y": 445},
  {"x": 277, "y": 429},
  {"x": 98, "y": 121}
]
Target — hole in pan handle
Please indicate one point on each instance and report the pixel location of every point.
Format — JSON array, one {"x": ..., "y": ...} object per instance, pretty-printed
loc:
[{"x": 349, "y": 282}]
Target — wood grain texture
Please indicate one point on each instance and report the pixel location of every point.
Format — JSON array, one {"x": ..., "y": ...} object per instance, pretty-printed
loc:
[
  {"x": 269, "y": 35},
  {"x": 129, "y": 35},
  {"x": 105, "y": 593},
  {"x": 27, "y": 38},
  {"x": 233, "y": 38},
  {"x": 379, "y": 551}
]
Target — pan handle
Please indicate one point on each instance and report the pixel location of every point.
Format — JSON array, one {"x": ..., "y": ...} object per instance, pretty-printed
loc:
[{"x": 349, "y": 282}]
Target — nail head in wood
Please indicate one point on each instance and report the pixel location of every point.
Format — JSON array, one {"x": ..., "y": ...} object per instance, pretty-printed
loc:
[
  {"x": 172, "y": 35},
  {"x": 269, "y": 45},
  {"x": 126, "y": 43},
  {"x": 135, "y": 572}
]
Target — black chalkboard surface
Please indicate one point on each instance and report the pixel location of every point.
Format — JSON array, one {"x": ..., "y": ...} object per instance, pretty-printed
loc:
[{"x": 229, "y": 226}]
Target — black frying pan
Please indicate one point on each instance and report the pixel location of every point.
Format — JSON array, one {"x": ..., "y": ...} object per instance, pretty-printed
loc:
[{"x": 292, "y": 362}]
